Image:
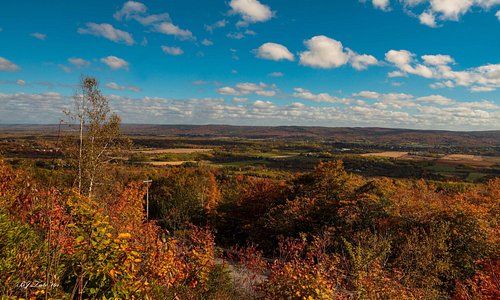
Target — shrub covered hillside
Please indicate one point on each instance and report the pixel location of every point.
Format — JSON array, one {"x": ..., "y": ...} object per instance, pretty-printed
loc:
[{"x": 321, "y": 235}]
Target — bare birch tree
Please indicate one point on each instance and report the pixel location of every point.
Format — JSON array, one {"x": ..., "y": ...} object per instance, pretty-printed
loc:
[{"x": 98, "y": 134}]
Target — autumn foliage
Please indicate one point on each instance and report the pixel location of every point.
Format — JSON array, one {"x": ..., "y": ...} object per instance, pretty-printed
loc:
[{"x": 326, "y": 234}]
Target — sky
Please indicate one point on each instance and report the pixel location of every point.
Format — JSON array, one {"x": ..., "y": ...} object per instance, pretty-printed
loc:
[{"x": 422, "y": 64}]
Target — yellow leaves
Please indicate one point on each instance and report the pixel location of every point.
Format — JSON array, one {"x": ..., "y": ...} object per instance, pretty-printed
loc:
[{"x": 124, "y": 236}]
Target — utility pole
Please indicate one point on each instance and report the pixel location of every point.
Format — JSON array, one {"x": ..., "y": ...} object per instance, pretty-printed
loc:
[{"x": 147, "y": 197}]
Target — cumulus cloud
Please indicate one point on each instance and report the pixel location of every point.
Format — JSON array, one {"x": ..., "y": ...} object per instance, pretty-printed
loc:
[
  {"x": 381, "y": 4},
  {"x": 428, "y": 18},
  {"x": 219, "y": 24},
  {"x": 436, "y": 99},
  {"x": 129, "y": 9},
  {"x": 115, "y": 63},
  {"x": 480, "y": 89},
  {"x": 79, "y": 62},
  {"x": 132, "y": 10},
  {"x": 273, "y": 51},
  {"x": 19, "y": 107},
  {"x": 327, "y": 53},
  {"x": 403, "y": 59},
  {"x": 381, "y": 96},
  {"x": 322, "y": 97},
  {"x": 474, "y": 115},
  {"x": 438, "y": 60},
  {"x": 247, "y": 88},
  {"x": 107, "y": 31},
  {"x": 117, "y": 87},
  {"x": 445, "y": 9},
  {"x": 228, "y": 91},
  {"x": 172, "y": 50},
  {"x": 251, "y": 11},
  {"x": 362, "y": 62},
  {"x": 39, "y": 36},
  {"x": 8, "y": 66},
  {"x": 438, "y": 67},
  {"x": 323, "y": 52},
  {"x": 171, "y": 29},
  {"x": 138, "y": 11}
]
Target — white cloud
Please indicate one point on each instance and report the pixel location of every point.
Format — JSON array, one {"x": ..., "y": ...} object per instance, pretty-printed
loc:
[
  {"x": 323, "y": 52},
  {"x": 482, "y": 78},
  {"x": 235, "y": 35},
  {"x": 403, "y": 60},
  {"x": 137, "y": 11},
  {"x": 172, "y": 50},
  {"x": 115, "y": 63},
  {"x": 107, "y": 31},
  {"x": 381, "y": 4},
  {"x": 273, "y": 51},
  {"x": 474, "y": 115},
  {"x": 251, "y": 11},
  {"x": 78, "y": 62},
  {"x": 327, "y": 53},
  {"x": 394, "y": 74},
  {"x": 362, "y": 62},
  {"x": 199, "y": 82},
  {"x": 381, "y": 96},
  {"x": 65, "y": 68},
  {"x": 229, "y": 91},
  {"x": 129, "y": 9},
  {"x": 451, "y": 9},
  {"x": 8, "y": 66},
  {"x": 319, "y": 98},
  {"x": 480, "y": 89},
  {"x": 497, "y": 14},
  {"x": 171, "y": 29},
  {"x": 428, "y": 18},
  {"x": 445, "y": 9},
  {"x": 240, "y": 34},
  {"x": 436, "y": 99},
  {"x": 39, "y": 36},
  {"x": 438, "y": 60},
  {"x": 19, "y": 108},
  {"x": 207, "y": 42},
  {"x": 247, "y": 88},
  {"x": 219, "y": 24},
  {"x": 116, "y": 86},
  {"x": 276, "y": 74},
  {"x": 21, "y": 82}
]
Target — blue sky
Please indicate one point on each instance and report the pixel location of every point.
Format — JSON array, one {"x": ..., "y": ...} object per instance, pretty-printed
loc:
[{"x": 430, "y": 64}]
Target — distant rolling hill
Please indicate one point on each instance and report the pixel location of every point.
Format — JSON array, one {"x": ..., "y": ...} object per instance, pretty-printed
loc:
[{"x": 339, "y": 134}]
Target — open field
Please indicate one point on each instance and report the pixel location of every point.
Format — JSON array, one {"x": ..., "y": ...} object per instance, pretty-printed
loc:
[
  {"x": 478, "y": 161},
  {"x": 391, "y": 154},
  {"x": 175, "y": 151},
  {"x": 169, "y": 163}
]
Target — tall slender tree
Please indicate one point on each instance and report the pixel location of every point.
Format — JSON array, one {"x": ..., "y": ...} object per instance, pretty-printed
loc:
[{"x": 98, "y": 135}]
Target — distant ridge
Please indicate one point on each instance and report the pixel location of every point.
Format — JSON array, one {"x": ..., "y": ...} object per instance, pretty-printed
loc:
[{"x": 340, "y": 134}]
